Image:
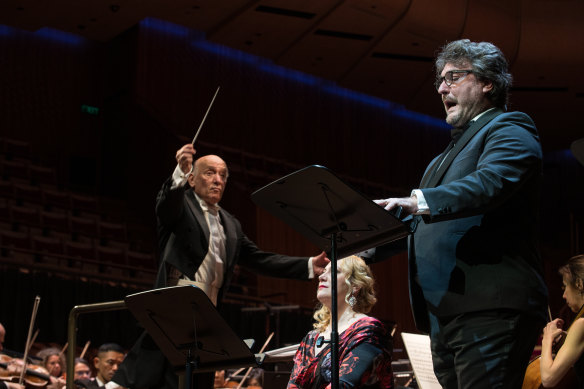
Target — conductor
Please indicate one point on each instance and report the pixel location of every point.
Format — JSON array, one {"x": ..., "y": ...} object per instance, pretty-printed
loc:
[{"x": 200, "y": 244}]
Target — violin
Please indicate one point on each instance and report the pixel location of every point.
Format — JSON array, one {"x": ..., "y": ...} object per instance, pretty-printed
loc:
[
  {"x": 34, "y": 376},
  {"x": 532, "y": 379},
  {"x": 235, "y": 384}
]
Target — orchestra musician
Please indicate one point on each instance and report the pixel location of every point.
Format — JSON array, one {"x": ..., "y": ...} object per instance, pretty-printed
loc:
[
  {"x": 571, "y": 353},
  {"x": 6, "y": 384},
  {"x": 201, "y": 243},
  {"x": 34, "y": 376},
  {"x": 82, "y": 369},
  {"x": 53, "y": 361}
]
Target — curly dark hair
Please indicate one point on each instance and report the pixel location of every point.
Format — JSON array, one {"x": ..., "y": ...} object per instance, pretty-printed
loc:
[{"x": 488, "y": 64}]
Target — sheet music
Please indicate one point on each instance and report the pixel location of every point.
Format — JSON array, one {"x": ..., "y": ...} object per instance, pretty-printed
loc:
[
  {"x": 418, "y": 349},
  {"x": 281, "y": 354}
]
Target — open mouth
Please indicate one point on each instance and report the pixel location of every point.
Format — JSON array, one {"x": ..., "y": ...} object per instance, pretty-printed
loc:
[{"x": 449, "y": 104}]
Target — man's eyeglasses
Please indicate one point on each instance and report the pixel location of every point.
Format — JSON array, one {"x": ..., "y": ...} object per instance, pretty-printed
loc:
[{"x": 451, "y": 77}]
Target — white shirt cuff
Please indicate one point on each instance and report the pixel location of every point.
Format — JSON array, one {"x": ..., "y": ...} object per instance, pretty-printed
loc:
[
  {"x": 423, "y": 208},
  {"x": 178, "y": 177},
  {"x": 310, "y": 269}
]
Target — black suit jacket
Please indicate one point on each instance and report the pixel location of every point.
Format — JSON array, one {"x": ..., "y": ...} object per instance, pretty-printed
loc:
[
  {"x": 477, "y": 248},
  {"x": 184, "y": 241},
  {"x": 88, "y": 384}
]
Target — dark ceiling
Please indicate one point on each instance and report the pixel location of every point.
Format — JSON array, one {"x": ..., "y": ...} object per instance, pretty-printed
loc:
[{"x": 381, "y": 48}]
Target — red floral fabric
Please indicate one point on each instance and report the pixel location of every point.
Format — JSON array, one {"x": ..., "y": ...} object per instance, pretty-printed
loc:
[{"x": 364, "y": 359}]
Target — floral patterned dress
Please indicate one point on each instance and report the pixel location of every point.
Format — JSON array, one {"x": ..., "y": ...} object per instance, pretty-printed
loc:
[{"x": 364, "y": 357}]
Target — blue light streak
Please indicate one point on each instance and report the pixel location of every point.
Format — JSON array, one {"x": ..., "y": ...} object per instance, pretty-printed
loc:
[
  {"x": 267, "y": 66},
  {"x": 60, "y": 36}
]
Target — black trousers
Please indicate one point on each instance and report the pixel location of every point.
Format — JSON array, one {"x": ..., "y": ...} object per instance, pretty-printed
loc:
[{"x": 486, "y": 349}]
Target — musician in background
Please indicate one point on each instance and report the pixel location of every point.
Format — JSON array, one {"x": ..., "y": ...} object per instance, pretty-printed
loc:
[
  {"x": 219, "y": 381},
  {"x": 82, "y": 369},
  {"x": 571, "y": 353},
  {"x": 201, "y": 243},
  {"x": 54, "y": 383},
  {"x": 53, "y": 361},
  {"x": 109, "y": 358},
  {"x": 2, "y": 335},
  {"x": 364, "y": 344},
  {"x": 3, "y": 384}
]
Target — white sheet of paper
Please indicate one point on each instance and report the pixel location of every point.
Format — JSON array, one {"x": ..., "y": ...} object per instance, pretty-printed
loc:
[
  {"x": 282, "y": 354},
  {"x": 418, "y": 349}
]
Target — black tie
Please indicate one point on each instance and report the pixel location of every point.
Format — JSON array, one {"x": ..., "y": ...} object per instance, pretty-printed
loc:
[{"x": 455, "y": 134}]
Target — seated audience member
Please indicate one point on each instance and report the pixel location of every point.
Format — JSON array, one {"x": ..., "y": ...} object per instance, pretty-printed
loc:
[
  {"x": 53, "y": 361},
  {"x": 571, "y": 353},
  {"x": 106, "y": 363},
  {"x": 364, "y": 344}
]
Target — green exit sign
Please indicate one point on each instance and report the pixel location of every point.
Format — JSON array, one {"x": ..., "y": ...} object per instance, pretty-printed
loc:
[{"x": 89, "y": 109}]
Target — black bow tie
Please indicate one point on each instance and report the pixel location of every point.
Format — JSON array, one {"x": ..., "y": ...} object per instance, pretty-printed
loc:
[{"x": 456, "y": 133}]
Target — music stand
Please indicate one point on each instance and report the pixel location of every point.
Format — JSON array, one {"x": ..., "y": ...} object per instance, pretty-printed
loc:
[
  {"x": 189, "y": 330},
  {"x": 333, "y": 216}
]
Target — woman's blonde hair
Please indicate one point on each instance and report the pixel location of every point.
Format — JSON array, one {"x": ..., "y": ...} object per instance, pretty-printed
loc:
[
  {"x": 574, "y": 271},
  {"x": 357, "y": 275}
]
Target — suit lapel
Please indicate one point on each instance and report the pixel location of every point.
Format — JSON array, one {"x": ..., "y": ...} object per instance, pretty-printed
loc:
[
  {"x": 230, "y": 237},
  {"x": 431, "y": 169},
  {"x": 464, "y": 139},
  {"x": 195, "y": 208}
]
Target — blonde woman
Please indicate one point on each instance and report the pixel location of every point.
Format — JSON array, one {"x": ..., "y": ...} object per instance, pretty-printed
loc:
[{"x": 364, "y": 344}]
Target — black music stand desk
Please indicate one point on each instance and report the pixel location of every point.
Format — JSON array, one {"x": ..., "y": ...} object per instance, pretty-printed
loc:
[
  {"x": 189, "y": 330},
  {"x": 316, "y": 203}
]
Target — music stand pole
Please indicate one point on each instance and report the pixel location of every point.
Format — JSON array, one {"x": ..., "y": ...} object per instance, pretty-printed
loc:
[
  {"x": 330, "y": 214},
  {"x": 334, "y": 315},
  {"x": 171, "y": 317},
  {"x": 189, "y": 371}
]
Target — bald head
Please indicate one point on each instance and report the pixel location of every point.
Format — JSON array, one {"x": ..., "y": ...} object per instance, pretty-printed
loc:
[
  {"x": 209, "y": 178},
  {"x": 210, "y": 160}
]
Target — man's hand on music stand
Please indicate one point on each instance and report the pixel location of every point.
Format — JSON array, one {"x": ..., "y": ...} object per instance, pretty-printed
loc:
[{"x": 409, "y": 204}]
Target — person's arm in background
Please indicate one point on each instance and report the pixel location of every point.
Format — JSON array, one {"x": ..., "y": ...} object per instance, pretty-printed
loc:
[{"x": 554, "y": 369}]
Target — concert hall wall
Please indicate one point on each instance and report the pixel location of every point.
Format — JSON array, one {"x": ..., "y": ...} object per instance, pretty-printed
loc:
[{"x": 152, "y": 85}]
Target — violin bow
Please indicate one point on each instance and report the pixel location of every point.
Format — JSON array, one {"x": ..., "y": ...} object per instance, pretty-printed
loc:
[
  {"x": 205, "y": 117},
  {"x": 85, "y": 349},
  {"x": 235, "y": 373},
  {"x": 36, "y": 333},
  {"x": 249, "y": 369},
  {"x": 62, "y": 352},
  {"x": 35, "y": 309}
]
